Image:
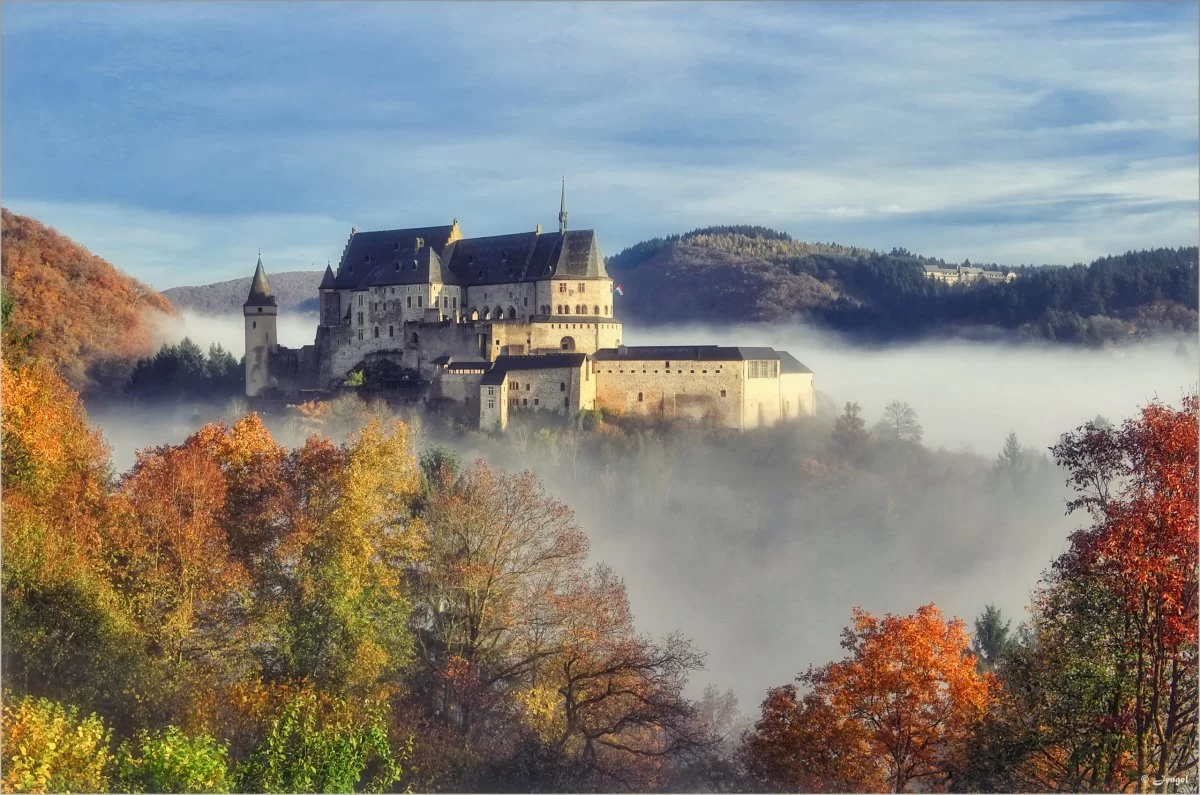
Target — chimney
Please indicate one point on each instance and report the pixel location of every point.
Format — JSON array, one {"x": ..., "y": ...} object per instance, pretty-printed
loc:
[{"x": 538, "y": 229}]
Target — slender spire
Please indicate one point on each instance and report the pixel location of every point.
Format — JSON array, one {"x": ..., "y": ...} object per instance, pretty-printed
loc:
[
  {"x": 260, "y": 291},
  {"x": 562, "y": 208}
]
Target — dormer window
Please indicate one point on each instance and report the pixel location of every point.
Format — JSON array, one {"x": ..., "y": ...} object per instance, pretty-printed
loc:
[{"x": 414, "y": 265}]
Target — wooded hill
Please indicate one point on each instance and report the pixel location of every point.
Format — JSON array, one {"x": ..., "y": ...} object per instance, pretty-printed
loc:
[
  {"x": 294, "y": 290},
  {"x": 90, "y": 320},
  {"x": 750, "y": 273}
]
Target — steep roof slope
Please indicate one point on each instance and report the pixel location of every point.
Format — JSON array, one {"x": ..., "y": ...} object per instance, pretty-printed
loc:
[{"x": 88, "y": 318}]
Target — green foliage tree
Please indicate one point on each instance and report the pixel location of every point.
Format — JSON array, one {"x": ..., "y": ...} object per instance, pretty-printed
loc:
[
  {"x": 171, "y": 761},
  {"x": 184, "y": 371},
  {"x": 312, "y": 749},
  {"x": 991, "y": 638}
]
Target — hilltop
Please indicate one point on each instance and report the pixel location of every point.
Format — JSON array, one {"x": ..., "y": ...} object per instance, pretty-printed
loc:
[{"x": 81, "y": 313}]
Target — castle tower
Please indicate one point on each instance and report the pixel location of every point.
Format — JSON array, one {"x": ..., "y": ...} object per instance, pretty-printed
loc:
[
  {"x": 260, "y": 311},
  {"x": 562, "y": 208}
]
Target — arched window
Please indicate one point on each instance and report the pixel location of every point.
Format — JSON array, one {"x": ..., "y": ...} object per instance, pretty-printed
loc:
[
  {"x": 639, "y": 397},
  {"x": 595, "y": 310},
  {"x": 562, "y": 387},
  {"x": 474, "y": 314},
  {"x": 487, "y": 313},
  {"x": 606, "y": 309},
  {"x": 377, "y": 332},
  {"x": 512, "y": 313},
  {"x": 499, "y": 314},
  {"x": 567, "y": 343}
]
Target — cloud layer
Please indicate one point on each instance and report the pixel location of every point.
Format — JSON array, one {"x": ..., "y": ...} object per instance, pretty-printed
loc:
[{"x": 176, "y": 141}]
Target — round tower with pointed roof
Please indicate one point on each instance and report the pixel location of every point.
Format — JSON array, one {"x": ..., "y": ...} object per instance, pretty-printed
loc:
[{"x": 261, "y": 312}]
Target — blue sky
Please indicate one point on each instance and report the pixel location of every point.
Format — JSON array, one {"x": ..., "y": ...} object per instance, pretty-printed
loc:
[{"x": 177, "y": 139}]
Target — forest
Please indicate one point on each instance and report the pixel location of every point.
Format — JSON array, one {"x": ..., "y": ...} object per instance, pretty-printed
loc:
[
  {"x": 742, "y": 273},
  {"x": 347, "y": 598},
  {"x": 76, "y": 309}
]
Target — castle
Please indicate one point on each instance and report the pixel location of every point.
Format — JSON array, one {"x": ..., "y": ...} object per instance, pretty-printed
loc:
[{"x": 524, "y": 321}]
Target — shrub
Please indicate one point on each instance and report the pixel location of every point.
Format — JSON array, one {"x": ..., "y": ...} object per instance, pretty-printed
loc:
[
  {"x": 49, "y": 748},
  {"x": 170, "y": 761}
]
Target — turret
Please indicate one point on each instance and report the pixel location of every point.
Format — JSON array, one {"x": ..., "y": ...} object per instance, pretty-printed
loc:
[{"x": 260, "y": 311}]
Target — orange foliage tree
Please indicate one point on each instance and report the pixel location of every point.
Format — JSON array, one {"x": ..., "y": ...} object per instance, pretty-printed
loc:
[
  {"x": 894, "y": 714},
  {"x": 88, "y": 319}
]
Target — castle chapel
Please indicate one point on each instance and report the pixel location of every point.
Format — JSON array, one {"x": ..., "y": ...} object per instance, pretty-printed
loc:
[{"x": 525, "y": 321}]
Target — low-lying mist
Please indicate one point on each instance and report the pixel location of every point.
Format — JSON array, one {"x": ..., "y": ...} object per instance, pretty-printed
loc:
[
  {"x": 757, "y": 546},
  {"x": 295, "y": 330}
]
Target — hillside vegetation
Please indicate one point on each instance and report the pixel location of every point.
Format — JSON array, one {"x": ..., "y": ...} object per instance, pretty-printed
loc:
[
  {"x": 80, "y": 313},
  {"x": 296, "y": 290},
  {"x": 744, "y": 273}
]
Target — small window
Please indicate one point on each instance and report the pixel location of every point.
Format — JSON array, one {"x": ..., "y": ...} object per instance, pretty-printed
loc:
[
  {"x": 410, "y": 302},
  {"x": 491, "y": 391},
  {"x": 253, "y": 324},
  {"x": 455, "y": 302},
  {"x": 391, "y": 331},
  {"x": 415, "y": 339},
  {"x": 535, "y": 401},
  {"x": 524, "y": 401},
  {"x": 595, "y": 310},
  {"x": 360, "y": 318},
  {"x": 606, "y": 309},
  {"x": 562, "y": 387},
  {"x": 360, "y": 336},
  {"x": 418, "y": 301},
  {"x": 722, "y": 393},
  {"x": 515, "y": 385},
  {"x": 492, "y": 403},
  {"x": 691, "y": 372},
  {"x": 562, "y": 287},
  {"x": 377, "y": 332},
  {"x": 566, "y": 403},
  {"x": 640, "y": 397},
  {"x": 360, "y": 299},
  {"x": 260, "y": 309},
  {"x": 704, "y": 372},
  {"x": 526, "y": 387}
]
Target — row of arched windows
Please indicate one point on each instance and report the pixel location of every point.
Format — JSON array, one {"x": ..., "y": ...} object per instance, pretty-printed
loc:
[{"x": 580, "y": 309}]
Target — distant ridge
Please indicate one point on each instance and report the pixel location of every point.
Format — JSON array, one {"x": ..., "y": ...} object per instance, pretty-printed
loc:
[{"x": 294, "y": 290}]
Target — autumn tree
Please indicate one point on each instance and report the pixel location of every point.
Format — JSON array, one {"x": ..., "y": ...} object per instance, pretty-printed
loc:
[
  {"x": 1105, "y": 695},
  {"x": 895, "y": 714}
]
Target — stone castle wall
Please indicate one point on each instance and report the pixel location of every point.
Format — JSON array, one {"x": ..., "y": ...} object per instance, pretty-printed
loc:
[{"x": 691, "y": 389}]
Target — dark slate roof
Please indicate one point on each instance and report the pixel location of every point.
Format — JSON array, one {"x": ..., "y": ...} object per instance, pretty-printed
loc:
[
  {"x": 505, "y": 364},
  {"x": 527, "y": 256},
  {"x": 789, "y": 364},
  {"x": 327, "y": 279},
  {"x": 691, "y": 353},
  {"x": 702, "y": 353},
  {"x": 410, "y": 266},
  {"x": 260, "y": 291},
  {"x": 365, "y": 250}
]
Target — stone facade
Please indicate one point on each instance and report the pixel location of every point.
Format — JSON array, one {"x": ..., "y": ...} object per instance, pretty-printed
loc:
[{"x": 507, "y": 324}]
